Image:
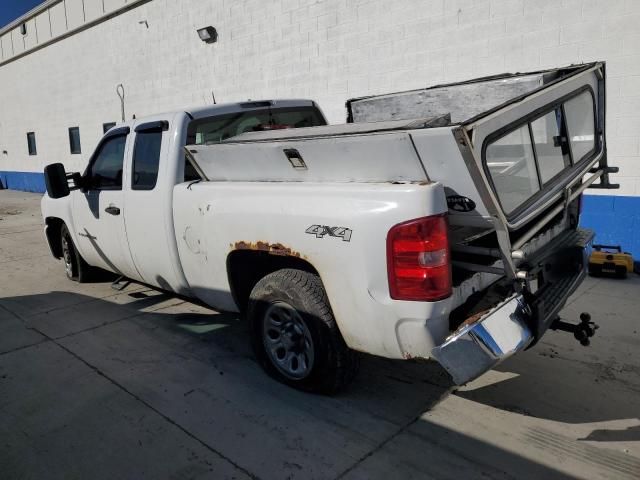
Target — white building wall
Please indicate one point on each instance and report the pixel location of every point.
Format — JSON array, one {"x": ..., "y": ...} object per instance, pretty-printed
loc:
[{"x": 328, "y": 50}]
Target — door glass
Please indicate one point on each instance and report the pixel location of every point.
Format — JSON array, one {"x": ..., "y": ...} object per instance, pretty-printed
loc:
[
  {"x": 550, "y": 144},
  {"x": 512, "y": 168},
  {"x": 106, "y": 170},
  {"x": 579, "y": 111},
  {"x": 146, "y": 159}
]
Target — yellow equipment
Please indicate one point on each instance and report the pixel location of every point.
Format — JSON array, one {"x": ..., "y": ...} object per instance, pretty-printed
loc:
[{"x": 610, "y": 260}]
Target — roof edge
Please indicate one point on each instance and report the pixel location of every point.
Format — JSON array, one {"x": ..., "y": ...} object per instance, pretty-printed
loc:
[{"x": 28, "y": 16}]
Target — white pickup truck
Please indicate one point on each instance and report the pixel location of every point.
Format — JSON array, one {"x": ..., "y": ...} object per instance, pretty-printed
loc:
[{"x": 439, "y": 223}]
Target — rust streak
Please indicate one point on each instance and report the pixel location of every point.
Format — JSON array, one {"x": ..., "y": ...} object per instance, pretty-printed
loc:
[{"x": 271, "y": 248}]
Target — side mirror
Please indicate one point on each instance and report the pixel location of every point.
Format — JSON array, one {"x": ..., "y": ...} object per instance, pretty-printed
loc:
[{"x": 55, "y": 178}]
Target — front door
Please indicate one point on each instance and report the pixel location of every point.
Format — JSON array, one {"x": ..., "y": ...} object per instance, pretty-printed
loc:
[{"x": 98, "y": 211}]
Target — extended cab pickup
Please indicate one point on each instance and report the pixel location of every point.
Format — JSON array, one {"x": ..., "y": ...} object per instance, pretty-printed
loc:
[{"x": 439, "y": 223}]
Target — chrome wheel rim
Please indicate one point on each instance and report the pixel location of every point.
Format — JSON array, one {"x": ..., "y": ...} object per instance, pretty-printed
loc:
[
  {"x": 66, "y": 255},
  {"x": 287, "y": 341}
]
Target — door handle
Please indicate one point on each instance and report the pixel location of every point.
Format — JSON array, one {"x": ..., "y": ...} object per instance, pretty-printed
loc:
[{"x": 112, "y": 210}]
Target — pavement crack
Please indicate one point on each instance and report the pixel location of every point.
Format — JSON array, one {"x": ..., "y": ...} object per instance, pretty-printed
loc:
[
  {"x": 21, "y": 231},
  {"x": 387, "y": 440},
  {"x": 17, "y": 349},
  {"x": 21, "y": 259},
  {"x": 114, "y": 382},
  {"x": 487, "y": 466},
  {"x": 96, "y": 327},
  {"x": 153, "y": 409}
]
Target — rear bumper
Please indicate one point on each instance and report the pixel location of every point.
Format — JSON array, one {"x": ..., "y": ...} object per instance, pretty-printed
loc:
[
  {"x": 522, "y": 319},
  {"x": 473, "y": 349}
]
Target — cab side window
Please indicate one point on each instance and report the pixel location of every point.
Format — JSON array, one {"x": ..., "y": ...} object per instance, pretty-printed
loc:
[
  {"x": 146, "y": 159},
  {"x": 106, "y": 170}
]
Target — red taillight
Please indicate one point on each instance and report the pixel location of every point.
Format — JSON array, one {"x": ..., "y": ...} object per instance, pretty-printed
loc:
[{"x": 418, "y": 260}]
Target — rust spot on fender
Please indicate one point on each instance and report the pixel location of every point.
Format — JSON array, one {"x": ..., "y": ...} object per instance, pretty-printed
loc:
[
  {"x": 410, "y": 182},
  {"x": 272, "y": 248},
  {"x": 408, "y": 356}
]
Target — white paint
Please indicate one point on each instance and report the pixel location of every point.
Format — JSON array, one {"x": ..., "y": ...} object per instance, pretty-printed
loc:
[
  {"x": 368, "y": 318},
  {"x": 328, "y": 50},
  {"x": 178, "y": 237}
]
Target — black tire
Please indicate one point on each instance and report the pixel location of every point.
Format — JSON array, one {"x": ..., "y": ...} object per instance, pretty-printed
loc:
[
  {"x": 327, "y": 365},
  {"x": 76, "y": 268}
]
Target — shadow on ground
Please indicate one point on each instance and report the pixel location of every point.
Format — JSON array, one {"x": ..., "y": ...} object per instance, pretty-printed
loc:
[{"x": 148, "y": 372}]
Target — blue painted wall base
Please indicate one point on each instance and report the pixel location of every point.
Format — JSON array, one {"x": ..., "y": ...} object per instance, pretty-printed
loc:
[
  {"x": 25, "y": 181},
  {"x": 616, "y": 219}
]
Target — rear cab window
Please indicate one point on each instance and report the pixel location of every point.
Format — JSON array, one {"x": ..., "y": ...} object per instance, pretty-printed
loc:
[
  {"x": 531, "y": 155},
  {"x": 218, "y": 128}
]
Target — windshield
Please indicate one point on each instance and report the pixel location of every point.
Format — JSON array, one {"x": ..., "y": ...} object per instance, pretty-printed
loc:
[{"x": 218, "y": 128}]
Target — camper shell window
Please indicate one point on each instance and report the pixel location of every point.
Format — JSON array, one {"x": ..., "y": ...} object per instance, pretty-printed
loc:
[{"x": 525, "y": 157}]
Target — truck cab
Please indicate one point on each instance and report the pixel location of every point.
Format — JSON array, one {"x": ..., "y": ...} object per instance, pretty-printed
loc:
[{"x": 125, "y": 195}]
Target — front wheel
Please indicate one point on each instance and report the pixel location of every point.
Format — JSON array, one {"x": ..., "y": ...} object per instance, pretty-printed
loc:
[
  {"x": 74, "y": 265},
  {"x": 295, "y": 336}
]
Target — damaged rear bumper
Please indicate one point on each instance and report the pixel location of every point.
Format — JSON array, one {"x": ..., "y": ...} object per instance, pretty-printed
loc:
[
  {"x": 473, "y": 349},
  {"x": 522, "y": 319}
]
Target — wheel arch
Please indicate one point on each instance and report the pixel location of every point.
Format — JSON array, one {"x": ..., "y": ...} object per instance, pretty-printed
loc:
[
  {"x": 245, "y": 268},
  {"x": 53, "y": 230}
]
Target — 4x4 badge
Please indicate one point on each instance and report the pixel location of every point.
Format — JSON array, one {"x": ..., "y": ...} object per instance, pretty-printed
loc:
[{"x": 321, "y": 230}]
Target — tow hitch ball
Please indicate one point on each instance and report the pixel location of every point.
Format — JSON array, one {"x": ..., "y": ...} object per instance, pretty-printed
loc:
[{"x": 582, "y": 332}]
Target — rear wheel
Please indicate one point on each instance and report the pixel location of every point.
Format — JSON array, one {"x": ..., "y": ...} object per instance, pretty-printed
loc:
[
  {"x": 74, "y": 265},
  {"x": 295, "y": 336}
]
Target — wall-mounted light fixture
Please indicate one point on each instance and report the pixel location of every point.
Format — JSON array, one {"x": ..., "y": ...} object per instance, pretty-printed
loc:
[{"x": 208, "y": 34}]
